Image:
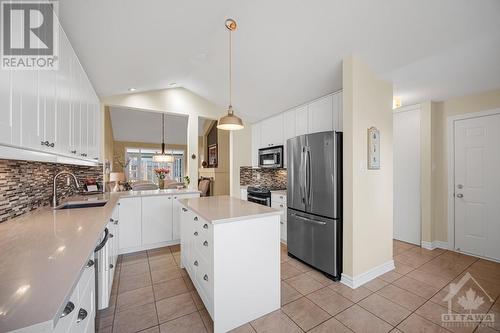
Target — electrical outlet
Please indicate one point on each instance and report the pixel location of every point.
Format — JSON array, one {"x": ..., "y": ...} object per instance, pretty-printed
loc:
[{"x": 258, "y": 176}]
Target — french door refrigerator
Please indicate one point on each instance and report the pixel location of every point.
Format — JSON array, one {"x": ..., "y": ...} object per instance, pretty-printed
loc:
[{"x": 314, "y": 200}]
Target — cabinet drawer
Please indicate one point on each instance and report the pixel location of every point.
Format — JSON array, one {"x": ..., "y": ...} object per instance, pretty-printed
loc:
[
  {"x": 87, "y": 274},
  {"x": 85, "y": 316},
  {"x": 69, "y": 313},
  {"x": 278, "y": 198},
  {"x": 204, "y": 247},
  {"x": 204, "y": 277}
]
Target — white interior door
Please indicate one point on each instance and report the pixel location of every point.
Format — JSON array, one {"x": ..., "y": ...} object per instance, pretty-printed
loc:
[
  {"x": 407, "y": 224},
  {"x": 477, "y": 186}
]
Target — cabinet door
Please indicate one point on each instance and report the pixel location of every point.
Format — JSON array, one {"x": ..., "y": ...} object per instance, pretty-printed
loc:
[
  {"x": 156, "y": 219},
  {"x": 130, "y": 223},
  {"x": 321, "y": 115},
  {"x": 47, "y": 108},
  {"x": 288, "y": 125},
  {"x": 301, "y": 120},
  {"x": 5, "y": 110},
  {"x": 272, "y": 131},
  {"x": 63, "y": 121},
  {"x": 337, "y": 111},
  {"x": 256, "y": 144},
  {"x": 24, "y": 109}
]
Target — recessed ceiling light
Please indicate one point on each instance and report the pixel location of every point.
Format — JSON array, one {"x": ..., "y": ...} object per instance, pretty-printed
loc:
[{"x": 132, "y": 89}]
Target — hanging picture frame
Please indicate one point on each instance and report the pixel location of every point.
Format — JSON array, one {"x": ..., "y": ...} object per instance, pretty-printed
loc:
[{"x": 373, "y": 148}]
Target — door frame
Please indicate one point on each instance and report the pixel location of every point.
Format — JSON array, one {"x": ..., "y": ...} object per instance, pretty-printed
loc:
[
  {"x": 414, "y": 107},
  {"x": 451, "y": 167}
]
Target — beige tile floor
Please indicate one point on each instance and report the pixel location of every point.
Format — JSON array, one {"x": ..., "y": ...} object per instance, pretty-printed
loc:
[{"x": 152, "y": 294}]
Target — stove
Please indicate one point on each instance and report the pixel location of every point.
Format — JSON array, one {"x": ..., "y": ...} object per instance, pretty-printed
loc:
[{"x": 260, "y": 194}]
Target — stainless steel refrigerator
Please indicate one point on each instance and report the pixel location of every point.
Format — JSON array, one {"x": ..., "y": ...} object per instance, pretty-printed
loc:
[{"x": 314, "y": 200}]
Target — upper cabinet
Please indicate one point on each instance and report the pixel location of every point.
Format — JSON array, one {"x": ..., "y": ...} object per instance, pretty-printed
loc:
[
  {"x": 52, "y": 111},
  {"x": 323, "y": 114}
]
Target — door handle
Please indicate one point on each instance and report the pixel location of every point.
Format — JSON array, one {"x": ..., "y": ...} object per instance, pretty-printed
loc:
[
  {"x": 309, "y": 220},
  {"x": 308, "y": 175},
  {"x": 460, "y": 195}
]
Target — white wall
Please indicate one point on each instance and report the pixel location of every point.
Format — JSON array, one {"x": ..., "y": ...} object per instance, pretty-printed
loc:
[{"x": 240, "y": 148}]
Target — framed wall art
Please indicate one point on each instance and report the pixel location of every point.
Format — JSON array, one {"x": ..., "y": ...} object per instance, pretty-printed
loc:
[{"x": 373, "y": 148}]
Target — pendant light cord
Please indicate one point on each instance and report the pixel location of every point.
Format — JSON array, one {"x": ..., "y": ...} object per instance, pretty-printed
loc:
[
  {"x": 163, "y": 133},
  {"x": 230, "y": 71}
]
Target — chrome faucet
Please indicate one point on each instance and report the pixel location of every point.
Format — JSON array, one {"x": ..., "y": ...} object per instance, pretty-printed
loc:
[{"x": 54, "y": 189}]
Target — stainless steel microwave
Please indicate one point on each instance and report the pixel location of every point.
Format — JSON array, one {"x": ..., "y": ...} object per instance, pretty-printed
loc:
[{"x": 271, "y": 157}]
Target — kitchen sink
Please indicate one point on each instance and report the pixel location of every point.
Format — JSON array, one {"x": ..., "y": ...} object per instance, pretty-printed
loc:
[{"x": 81, "y": 204}]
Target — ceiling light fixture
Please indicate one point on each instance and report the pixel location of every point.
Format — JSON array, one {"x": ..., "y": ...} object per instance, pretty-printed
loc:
[
  {"x": 132, "y": 89},
  {"x": 173, "y": 84},
  {"x": 230, "y": 122},
  {"x": 163, "y": 157}
]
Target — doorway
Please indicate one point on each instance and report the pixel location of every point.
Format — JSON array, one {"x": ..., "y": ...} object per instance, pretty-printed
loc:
[
  {"x": 407, "y": 222},
  {"x": 476, "y": 185}
]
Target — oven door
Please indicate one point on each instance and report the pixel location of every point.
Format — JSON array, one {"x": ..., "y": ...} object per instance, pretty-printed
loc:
[
  {"x": 259, "y": 200},
  {"x": 271, "y": 157}
]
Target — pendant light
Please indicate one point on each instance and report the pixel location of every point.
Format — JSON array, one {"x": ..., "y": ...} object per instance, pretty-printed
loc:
[
  {"x": 230, "y": 122},
  {"x": 163, "y": 157}
]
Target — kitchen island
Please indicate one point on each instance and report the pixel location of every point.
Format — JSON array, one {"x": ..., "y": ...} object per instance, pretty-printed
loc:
[{"x": 231, "y": 250}]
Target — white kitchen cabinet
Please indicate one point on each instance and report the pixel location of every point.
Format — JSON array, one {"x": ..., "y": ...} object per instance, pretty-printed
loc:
[
  {"x": 47, "y": 101},
  {"x": 301, "y": 120},
  {"x": 289, "y": 125},
  {"x": 5, "y": 111},
  {"x": 278, "y": 201},
  {"x": 176, "y": 214},
  {"x": 130, "y": 223},
  {"x": 243, "y": 194},
  {"x": 156, "y": 219},
  {"x": 272, "y": 131},
  {"x": 320, "y": 115},
  {"x": 24, "y": 109},
  {"x": 256, "y": 143},
  {"x": 337, "y": 111}
]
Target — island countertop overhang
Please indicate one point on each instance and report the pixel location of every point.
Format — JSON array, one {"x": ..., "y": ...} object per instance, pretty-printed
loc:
[{"x": 224, "y": 209}]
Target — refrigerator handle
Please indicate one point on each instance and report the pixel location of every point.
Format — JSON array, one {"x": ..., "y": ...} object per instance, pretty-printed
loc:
[
  {"x": 301, "y": 176},
  {"x": 308, "y": 175}
]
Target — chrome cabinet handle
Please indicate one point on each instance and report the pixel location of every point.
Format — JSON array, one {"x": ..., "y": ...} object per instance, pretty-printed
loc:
[
  {"x": 281, "y": 206},
  {"x": 96, "y": 158},
  {"x": 90, "y": 263},
  {"x": 196, "y": 263},
  {"x": 205, "y": 243},
  {"x": 82, "y": 314},
  {"x": 184, "y": 209},
  {"x": 205, "y": 226},
  {"x": 111, "y": 235},
  {"x": 460, "y": 195},
  {"x": 52, "y": 145},
  {"x": 111, "y": 266},
  {"x": 72, "y": 151},
  {"x": 195, "y": 218},
  {"x": 281, "y": 222},
  {"x": 67, "y": 309},
  {"x": 44, "y": 143},
  {"x": 205, "y": 277},
  {"x": 196, "y": 233},
  {"x": 175, "y": 197},
  {"x": 281, "y": 197}
]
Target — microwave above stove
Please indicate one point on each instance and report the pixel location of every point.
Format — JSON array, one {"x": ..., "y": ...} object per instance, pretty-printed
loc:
[{"x": 271, "y": 157}]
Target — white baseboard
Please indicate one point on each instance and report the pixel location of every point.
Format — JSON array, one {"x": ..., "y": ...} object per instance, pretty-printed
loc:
[
  {"x": 367, "y": 276},
  {"x": 148, "y": 247},
  {"x": 435, "y": 245}
]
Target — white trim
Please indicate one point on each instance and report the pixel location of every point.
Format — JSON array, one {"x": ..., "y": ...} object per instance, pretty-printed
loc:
[
  {"x": 407, "y": 108},
  {"x": 367, "y": 276},
  {"x": 434, "y": 245},
  {"x": 451, "y": 167}
]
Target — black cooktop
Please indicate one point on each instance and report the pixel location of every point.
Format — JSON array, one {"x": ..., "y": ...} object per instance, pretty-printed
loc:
[{"x": 262, "y": 189}]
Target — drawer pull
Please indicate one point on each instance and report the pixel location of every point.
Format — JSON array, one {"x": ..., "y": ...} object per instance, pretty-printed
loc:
[
  {"x": 205, "y": 243},
  {"x": 67, "y": 309},
  {"x": 195, "y": 218},
  {"x": 116, "y": 222},
  {"x": 90, "y": 263},
  {"x": 184, "y": 210},
  {"x": 281, "y": 206},
  {"x": 111, "y": 266},
  {"x": 196, "y": 263},
  {"x": 281, "y": 197},
  {"x": 281, "y": 222},
  {"x": 196, "y": 233},
  {"x": 205, "y": 226},
  {"x": 111, "y": 235},
  {"x": 205, "y": 277},
  {"x": 82, "y": 314}
]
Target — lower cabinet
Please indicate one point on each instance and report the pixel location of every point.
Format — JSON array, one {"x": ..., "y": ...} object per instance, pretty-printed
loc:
[
  {"x": 149, "y": 221},
  {"x": 243, "y": 194},
  {"x": 79, "y": 312},
  {"x": 278, "y": 201},
  {"x": 106, "y": 263}
]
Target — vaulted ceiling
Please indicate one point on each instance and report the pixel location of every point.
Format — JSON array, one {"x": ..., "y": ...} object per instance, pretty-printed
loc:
[{"x": 286, "y": 52}]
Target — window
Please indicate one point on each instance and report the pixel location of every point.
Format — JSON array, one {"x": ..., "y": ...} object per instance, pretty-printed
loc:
[{"x": 141, "y": 165}]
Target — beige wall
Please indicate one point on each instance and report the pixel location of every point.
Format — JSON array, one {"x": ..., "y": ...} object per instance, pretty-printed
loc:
[
  {"x": 368, "y": 194},
  {"x": 108, "y": 140},
  {"x": 426, "y": 170},
  {"x": 439, "y": 151},
  {"x": 241, "y": 153},
  {"x": 178, "y": 101}
]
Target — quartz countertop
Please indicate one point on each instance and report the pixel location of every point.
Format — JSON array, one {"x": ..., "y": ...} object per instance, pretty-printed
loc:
[
  {"x": 221, "y": 209},
  {"x": 42, "y": 255}
]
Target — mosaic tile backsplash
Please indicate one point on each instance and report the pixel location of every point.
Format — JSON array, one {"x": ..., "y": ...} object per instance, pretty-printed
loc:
[
  {"x": 272, "y": 178},
  {"x": 26, "y": 185}
]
